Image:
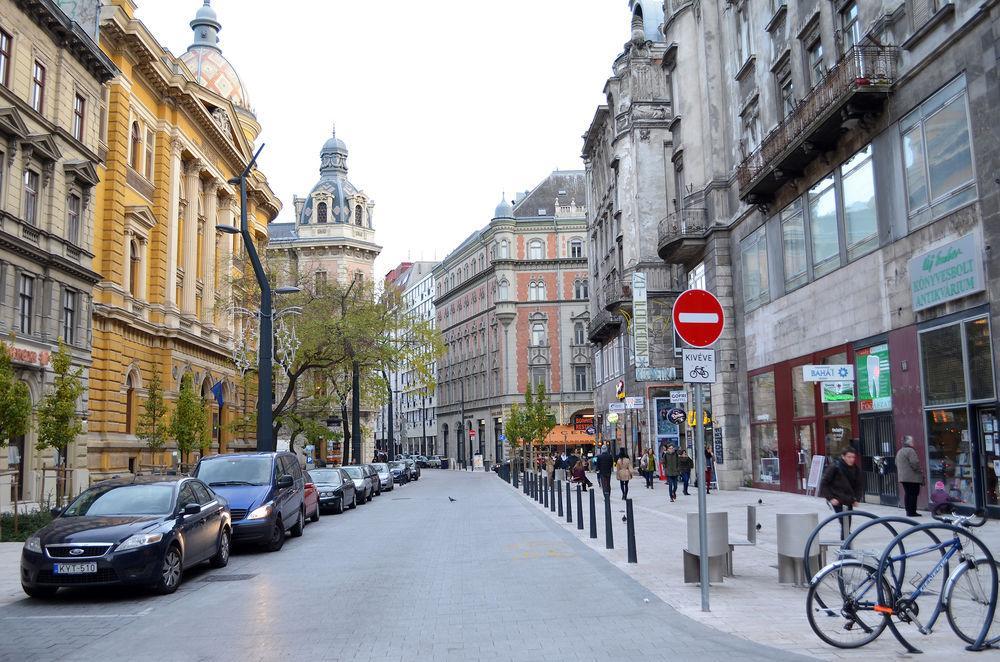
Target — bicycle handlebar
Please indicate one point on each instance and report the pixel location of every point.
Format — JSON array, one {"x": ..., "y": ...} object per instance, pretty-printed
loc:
[{"x": 945, "y": 512}]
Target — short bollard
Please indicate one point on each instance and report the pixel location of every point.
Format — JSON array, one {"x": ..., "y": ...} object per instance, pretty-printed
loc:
[
  {"x": 593, "y": 516},
  {"x": 524, "y": 482},
  {"x": 569, "y": 504},
  {"x": 559, "y": 497},
  {"x": 545, "y": 485},
  {"x": 552, "y": 497},
  {"x": 609, "y": 536},
  {"x": 514, "y": 473},
  {"x": 579, "y": 508},
  {"x": 538, "y": 487},
  {"x": 630, "y": 529}
]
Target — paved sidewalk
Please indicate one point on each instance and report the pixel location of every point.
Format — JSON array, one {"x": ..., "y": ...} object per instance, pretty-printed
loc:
[{"x": 752, "y": 604}]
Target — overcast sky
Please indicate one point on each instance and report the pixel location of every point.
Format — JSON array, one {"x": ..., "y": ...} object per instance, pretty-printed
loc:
[{"x": 443, "y": 104}]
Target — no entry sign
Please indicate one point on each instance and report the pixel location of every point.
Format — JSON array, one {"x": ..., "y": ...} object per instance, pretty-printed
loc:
[{"x": 698, "y": 318}]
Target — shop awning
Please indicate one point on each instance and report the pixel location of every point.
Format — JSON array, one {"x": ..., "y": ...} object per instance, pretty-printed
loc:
[{"x": 571, "y": 437}]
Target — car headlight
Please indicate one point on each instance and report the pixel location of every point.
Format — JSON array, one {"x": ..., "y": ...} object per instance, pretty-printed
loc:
[
  {"x": 33, "y": 544},
  {"x": 263, "y": 512},
  {"x": 327, "y": 494},
  {"x": 140, "y": 540}
]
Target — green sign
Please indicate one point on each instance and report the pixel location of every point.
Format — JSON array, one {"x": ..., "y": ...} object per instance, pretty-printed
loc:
[
  {"x": 837, "y": 391},
  {"x": 949, "y": 272},
  {"x": 871, "y": 365}
]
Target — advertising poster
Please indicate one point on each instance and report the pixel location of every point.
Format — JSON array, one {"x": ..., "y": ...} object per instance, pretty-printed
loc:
[
  {"x": 664, "y": 428},
  {"x": 837, "y": 391},
  {"x": 871, "y": 365}
]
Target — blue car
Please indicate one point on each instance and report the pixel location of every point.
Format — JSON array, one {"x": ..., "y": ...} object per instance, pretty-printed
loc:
[{"x": 265, "y": 491}]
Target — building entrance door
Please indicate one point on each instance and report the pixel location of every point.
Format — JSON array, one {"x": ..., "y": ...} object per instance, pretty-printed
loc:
[
  {"x": 878, "y": 459},
  {"x": 989, "y": 451}
]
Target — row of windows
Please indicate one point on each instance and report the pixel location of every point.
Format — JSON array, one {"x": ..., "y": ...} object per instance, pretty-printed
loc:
[
  {"x": 473, "y": 388},
  {"x": 31, "y": 197},
  {"x": 501, "y": 251},
  {"x": 26, "y": 309},
  {"x": 836, "y": 221}
]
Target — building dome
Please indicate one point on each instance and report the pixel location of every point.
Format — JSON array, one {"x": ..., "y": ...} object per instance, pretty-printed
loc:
[
  {"x": 205, "y": 59},
  {"x": 504, "y": 210},
  {"x": 333, "y": 189}
]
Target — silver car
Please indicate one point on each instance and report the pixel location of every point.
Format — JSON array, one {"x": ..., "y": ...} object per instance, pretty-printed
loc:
[
  {"x": 363, "y": 486},
  {"x": 384, "y": 475}
]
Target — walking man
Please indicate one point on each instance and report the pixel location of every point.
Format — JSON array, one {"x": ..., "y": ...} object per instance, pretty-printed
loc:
[
  {"x": 843, "y": 486},
  {"x": 605, "y": 463},
  {"x": 671, "y": 467},
  {"x": 685, "y": 464},
  {"x": 911, "y": 475}
]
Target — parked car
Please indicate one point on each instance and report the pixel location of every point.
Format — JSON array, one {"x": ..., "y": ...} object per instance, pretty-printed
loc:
[
  {"x": 336, "y": 489},
  {"x": 310, "y": 497},
  {"x": 400, "y": 472},
  {"x": 265, "y": 491},
  {"x": 421, "y": 461},
  {"x": 362, "y": 483},
  {"x": 414, "y": 469},
  {"x": 147, "y": 530},
  {"x": 372, "y": 473},
  {"x": 434, "y": 461},
  {"x": 384, "y": 476}
]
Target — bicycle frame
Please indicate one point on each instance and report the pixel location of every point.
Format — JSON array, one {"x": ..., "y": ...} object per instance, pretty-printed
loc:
[{"x": 953, "y": 547}]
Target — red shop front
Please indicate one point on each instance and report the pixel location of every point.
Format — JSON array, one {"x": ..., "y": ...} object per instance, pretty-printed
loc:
[{"x": 789, "y": 422}]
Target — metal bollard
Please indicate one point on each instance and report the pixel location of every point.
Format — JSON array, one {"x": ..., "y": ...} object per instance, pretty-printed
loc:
[
  {"x": 593, "y": 516},
  {"x": 559, "y": 496},
  {"x": 630, "y": 531},
  {"x": 569, "y": 504},
  {"x": 514, "y": 473},
  {"x": 609, "y": 536},
  {"x": 545, "y": 489},
  {"x": 538, "y": 487},
  {"x": 552, "y": 497},
  {"x": 579, "y": 508}
]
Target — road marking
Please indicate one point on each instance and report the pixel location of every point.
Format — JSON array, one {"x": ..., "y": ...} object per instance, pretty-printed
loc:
[
  {"x": 144, "y": 612},
  {"x": 699, "y": 318}
]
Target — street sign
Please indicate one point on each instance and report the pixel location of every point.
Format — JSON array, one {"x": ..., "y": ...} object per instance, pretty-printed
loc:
[
  {"x": 698, "y": 318},
  {"x": 678, "y": 397},
  {"x": 591, "y": 430},
  {"x": 620, "y": 389},
  {"x": 699, "y": 366},
  {"x": 828, "y": 373},
  {"x": 635, "y": 402},
  {"x": 655, "y": 374},
  {"x": 502, "y": 437},
  {"x": 616, "y": 406},
  {"x": 676, "y": 416},
  {"x": 472, "y": 434}
]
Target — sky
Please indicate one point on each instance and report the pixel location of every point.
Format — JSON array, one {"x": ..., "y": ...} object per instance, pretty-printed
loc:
[{"x": 444, "y": 105}]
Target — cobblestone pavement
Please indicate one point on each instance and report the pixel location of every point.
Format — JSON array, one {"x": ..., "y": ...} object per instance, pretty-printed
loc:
[
  {"x": 752, "y": 605},
  {"x": 410, "y": 576}
]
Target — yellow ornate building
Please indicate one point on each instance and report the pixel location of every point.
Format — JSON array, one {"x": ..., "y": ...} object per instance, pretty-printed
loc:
[{"x": 177, "y": 130}]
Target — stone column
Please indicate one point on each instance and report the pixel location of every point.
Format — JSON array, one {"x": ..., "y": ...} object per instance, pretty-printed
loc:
[
  {"x": 126, "y": 262},
  {"x": 173, "y": 215},
  {"x": 227, "y": 217},
  {"x": 143, "y": 288},
  {"x": 208, "y": 245},
  {"x": 192, "y": 173}
]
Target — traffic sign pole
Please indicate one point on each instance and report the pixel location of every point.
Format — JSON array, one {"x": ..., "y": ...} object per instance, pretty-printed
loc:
[{"x": 699, "y": 450}]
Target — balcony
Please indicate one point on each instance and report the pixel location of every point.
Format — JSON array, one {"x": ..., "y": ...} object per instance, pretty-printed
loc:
[
  {"x": 617, "y": 292},
  {"x": 603, "y": 326},
  {"x": 682, "y": 236},
  {"x": 855, "y": 88}
]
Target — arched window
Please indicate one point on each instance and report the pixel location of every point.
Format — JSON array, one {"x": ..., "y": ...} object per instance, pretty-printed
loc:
[
  {"x": 133, "y": 269},
  {"x": 579, "y": 333},
  {"x": 580, "y": 289},
  {"x": 537, "y": 334},
  {"x": 504, "y": 249},
  {"x": 576, "y": 248},
  {"x": 358, "y": 216},
  {"x": 482, "y": 262},
  {"x": 136, "y": 146},
  {"x": 321, "y": 212},
  {"x": 536, "y": 249},
  {"x": 536, "y": 291},
  {"x": 503, "y": 291},
  {"x": 129, "y": 405}
]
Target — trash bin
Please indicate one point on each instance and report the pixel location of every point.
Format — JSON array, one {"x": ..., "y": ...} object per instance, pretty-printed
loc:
[
  {"x": 718, "y": 547},
  {"x": 444, "y": 463},
  {"x": 793, "y": 533}
]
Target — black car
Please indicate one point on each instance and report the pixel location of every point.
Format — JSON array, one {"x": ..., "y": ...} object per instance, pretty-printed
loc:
[
  {"x": 142, "y": 530},
  {"x": 336, "y": 489},
  {"x": 414, "y": 468},
  {"x": 266, "y": 492},
  {"x": 400, "y": 472},
  {"x": 372, "y": 473}
]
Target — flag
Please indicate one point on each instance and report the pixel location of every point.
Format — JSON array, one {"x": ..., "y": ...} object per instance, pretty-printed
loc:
[{"x": 217, "y": 392}]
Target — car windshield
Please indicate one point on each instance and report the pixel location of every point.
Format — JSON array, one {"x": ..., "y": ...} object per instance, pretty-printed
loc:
[
  {"x": 331, "y": 476},
  {"x": 248, "y": 470},
  {"x": 396, "y": 465},
  {"x": 354, "y": 472},
  {"x": 381, "y": 467},
  {"x": 122, "y": 500}
]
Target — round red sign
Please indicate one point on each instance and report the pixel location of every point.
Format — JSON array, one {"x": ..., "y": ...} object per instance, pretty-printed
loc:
[{"x": 698, "y": 318}]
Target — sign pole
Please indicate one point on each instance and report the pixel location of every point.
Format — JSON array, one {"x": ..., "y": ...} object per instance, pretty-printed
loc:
[{"x": 699, "y": 450}]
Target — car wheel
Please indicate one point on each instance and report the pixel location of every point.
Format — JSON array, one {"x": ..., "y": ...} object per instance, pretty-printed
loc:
[
  {"x": 277, "y": 540},
  {"x": 170, "y": 571},
  {"x": 315, "y": 516},
  {"x": 338, "y": 507},
  {"x": 221, "y": 558},
  {"x": 354, "y": 501},
  {"x": 300, "y": 524},
  {"x": 371, "y": 495},
  {"x": 40, "y": 592}
]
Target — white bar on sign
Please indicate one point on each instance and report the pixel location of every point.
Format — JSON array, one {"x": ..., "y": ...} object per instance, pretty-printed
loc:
[{"x": 699, "y": 318}]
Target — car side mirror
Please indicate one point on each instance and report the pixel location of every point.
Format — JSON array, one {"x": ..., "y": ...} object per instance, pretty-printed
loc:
[
  {"x": 192, "y": 509},
  {"x": 56, "y": 512},
  {"x": 286, "y": 481}
]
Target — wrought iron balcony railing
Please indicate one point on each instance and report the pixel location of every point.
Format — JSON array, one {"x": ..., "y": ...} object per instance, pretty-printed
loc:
[{"x": 682, "y": 235}]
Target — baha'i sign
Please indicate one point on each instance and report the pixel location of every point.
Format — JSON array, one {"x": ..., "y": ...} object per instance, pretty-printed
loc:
[
  {"x": 948, "y": 272},
  {"x": 874, "y": 386}
]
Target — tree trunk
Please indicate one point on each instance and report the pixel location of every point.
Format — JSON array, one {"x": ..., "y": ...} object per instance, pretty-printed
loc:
[{"x": 344, "y": 445}]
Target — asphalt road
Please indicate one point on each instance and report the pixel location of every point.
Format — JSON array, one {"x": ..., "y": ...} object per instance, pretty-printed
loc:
[{"x": 410, "y": 576}]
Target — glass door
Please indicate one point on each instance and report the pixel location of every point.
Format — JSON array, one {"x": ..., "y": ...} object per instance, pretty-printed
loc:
[
  {"x": 989, "y": 435},
  {"x": 805, "y": 441}
]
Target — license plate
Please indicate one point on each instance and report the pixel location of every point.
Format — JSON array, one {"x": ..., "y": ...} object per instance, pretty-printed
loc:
[{"x": 74, "y": 568}]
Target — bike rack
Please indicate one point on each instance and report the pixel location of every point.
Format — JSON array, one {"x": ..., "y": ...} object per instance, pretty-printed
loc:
[{"x": 812, "y": 537}]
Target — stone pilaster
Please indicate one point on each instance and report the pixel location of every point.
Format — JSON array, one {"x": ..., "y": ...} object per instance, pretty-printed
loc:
[{"x": 189, "y": 249}]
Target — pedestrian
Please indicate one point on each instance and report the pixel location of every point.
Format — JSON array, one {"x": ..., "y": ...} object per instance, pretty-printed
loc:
[
  {"x": 911, "y": 475},
  {"x": 671, "y": 467},
  {"x": 579, "y": 473},
  {"x": 685, "y": 464},
  {"x": 623, "y": 467},
  {"x": 647, "y": 465},
  {"x": 709, "y": 459},
  {"x": 550, "y": 467},
  {"x": 843, "y": 486},
  {"x": 605, "y": 463}
]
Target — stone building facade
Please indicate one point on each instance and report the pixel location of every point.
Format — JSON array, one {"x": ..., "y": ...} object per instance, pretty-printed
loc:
[
  {"x": 512, "y": 306},
  {"x": 838, "y": 194},
  {"x": 177, "y": 130},
  {"x": 51, "y": 77}
]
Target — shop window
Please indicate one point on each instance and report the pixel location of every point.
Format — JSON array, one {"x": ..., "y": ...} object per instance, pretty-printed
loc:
[
  {"x": 980, "y": 358},
  {"x": 837, "y": 427},
  {"x": 793, "y": 246},
  {"x": 823, "y": 227},
  {"x": 941, "y": 355},
  {"x": 763, "y": 429},
  {"x": 937, "y": 155},
  {"x": 803, "y": 394},
  {"x": 754, "y": 259},
  {"x": 949, "y": 452}
]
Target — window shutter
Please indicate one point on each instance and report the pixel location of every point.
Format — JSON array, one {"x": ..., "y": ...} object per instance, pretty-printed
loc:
[{"x": 921, "y": 10}]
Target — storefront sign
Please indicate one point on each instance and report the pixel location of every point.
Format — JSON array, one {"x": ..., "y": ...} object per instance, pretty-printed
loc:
[
  {"x": 717, "y": 444},
  {"x": 837, "y": 391},
  {"x": 616, "y": 406},
  {"x": 874, "y": 386},
  {"x": 678, "y": 397},
  {"x": 640, "y": 320},
  {"x": 816, "y": 472},
  {"x": 655, "y": 374},
  {"x": 948, "y": 272},
  {"x": 827, "y": 373},
  {"x": 635, "y": 402},
  {"x": 30, "y": 356}
]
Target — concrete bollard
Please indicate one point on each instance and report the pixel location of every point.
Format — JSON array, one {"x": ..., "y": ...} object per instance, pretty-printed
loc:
[
  {"x": 593, "y": 516},
  {"x": 630, "y": 531},
  {"x": 559, "y": 496},
  {"x": 545, "y": 490},
  {"x": 609, "y": 536},
  {"x": 552, "y": 497},
  {"x": 569, "y": 504},
  {"x": 579, "y": 508}
]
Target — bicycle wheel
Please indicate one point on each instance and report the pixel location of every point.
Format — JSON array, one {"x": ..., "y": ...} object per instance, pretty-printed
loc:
[
  {"x": 840, "y": 605},
  {"x": 968, "y": 600}
]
